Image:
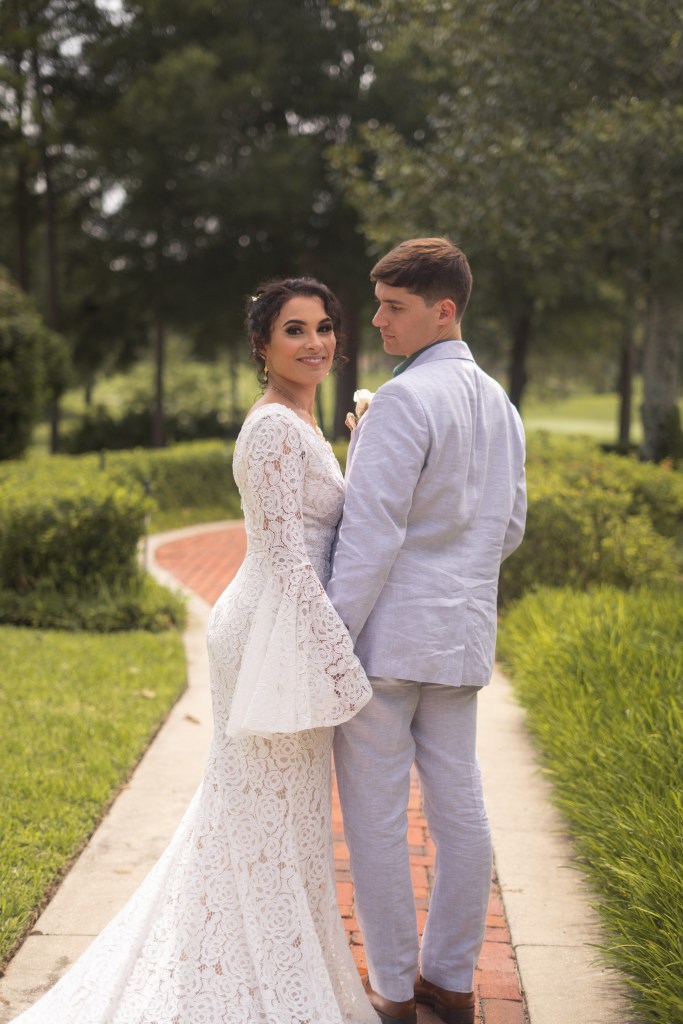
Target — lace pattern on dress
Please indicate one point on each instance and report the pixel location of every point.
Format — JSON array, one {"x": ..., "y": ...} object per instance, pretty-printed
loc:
[
  {"x": 298, "y": 670},
  {"x": 238, "y": 921}
]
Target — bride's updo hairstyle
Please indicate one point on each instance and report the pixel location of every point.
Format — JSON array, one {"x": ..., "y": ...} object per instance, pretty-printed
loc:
[{"x": 263, "y": 309}]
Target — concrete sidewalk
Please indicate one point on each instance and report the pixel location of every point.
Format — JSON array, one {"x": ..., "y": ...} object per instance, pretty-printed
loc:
[{"x": 540, "y": 929}]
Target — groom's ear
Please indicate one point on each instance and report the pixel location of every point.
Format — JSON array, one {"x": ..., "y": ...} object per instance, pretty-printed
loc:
[{"x": 447, "y": 310}]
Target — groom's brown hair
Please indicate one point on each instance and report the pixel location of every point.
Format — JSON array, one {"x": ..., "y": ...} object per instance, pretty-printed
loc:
[{"x": 433, "y": 268}]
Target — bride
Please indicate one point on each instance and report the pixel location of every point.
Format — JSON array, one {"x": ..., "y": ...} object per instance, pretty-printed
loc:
[{"x": 237, "y": 923}]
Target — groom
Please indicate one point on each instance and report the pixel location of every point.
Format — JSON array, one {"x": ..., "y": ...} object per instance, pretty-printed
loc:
[{"x": 435, "y": 500}]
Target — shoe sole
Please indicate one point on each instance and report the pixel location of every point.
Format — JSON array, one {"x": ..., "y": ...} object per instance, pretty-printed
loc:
[
  {"x": 459, "y": 1015},
  {"x": 386, "y": 1019}
]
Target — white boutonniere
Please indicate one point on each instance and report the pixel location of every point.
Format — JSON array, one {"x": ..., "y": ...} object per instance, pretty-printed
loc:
[{"x": 362, "y": 398}]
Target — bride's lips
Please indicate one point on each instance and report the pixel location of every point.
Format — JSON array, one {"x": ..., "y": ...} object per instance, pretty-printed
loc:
[{"x": 312, "y": 360}]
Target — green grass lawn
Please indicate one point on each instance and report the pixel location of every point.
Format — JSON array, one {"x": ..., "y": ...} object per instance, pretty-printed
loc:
[
  {"x": 77, "y": 711},
  {"x": 584, "y": 413}
]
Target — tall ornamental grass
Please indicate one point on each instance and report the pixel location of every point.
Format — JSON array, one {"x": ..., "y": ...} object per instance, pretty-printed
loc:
[{"x": 600, "y": 675}]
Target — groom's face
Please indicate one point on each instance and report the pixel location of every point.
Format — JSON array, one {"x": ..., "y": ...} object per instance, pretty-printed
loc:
[{"x": 405, "y": 322}]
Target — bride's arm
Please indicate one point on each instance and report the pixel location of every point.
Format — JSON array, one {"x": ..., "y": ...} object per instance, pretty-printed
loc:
[
  {"x": 274, "y": 469},
  {"x": 298, "y": 670}
]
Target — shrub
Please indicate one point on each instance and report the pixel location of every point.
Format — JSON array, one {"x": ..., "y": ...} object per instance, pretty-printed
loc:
[
  {"x": 25, "y": 343},
  {"x": 84, "y": 531},
  {"x": 600, "y": 677},
  {"x": 139, "y": 603},
  {"x": 189, "y": 475},
  {"x": 656, "y": 490},
  {"x": 579, "y": 536},
  {"x": 100, "y": 429},
  {"x": 199, "y": 403},
  {"x": 48, "y": 471},
  {"x": 595, "y": 518},
  {"x": 70, "y": 525},
  {"x": 185, "y": 476}
]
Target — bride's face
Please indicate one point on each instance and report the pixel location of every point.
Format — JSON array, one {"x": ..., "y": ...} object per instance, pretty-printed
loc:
[{"x": 302, "y": 342}]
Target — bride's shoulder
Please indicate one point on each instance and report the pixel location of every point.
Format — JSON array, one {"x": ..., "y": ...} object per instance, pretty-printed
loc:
[
  {"x": 272, "y": 424},
  {"x": 264, "y": 413}
]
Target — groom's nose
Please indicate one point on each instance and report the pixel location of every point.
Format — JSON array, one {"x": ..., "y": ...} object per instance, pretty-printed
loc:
[{"x": 379, "y": 318}]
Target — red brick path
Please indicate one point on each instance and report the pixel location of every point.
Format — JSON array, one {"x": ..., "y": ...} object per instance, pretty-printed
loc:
[{"x": 206, "y": 562}]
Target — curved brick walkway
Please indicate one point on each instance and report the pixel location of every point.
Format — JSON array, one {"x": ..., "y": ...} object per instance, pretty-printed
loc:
[{"x": 206, "y": 562}]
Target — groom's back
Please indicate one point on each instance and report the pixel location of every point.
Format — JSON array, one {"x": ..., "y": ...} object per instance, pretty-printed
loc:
[
  {"x": 434, "y": 619},
  {"x": 464, "y": 498}
]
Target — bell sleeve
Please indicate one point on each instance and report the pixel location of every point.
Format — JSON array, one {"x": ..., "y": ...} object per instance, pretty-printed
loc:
[{"x": 298, "y": 670}]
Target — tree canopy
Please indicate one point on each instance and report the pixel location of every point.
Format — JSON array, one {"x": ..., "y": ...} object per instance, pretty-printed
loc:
[
  {"x": 178, "y": 150},
  {"x": 552, "y": 149},
  {"x": 160, "y": 157}
]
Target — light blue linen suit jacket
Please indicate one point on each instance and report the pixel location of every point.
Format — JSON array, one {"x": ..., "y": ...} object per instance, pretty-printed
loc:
[{"x": 435, "y": 500}]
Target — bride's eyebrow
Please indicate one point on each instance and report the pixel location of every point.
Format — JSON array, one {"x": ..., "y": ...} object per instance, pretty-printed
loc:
[{"x": 302, "y": 323}]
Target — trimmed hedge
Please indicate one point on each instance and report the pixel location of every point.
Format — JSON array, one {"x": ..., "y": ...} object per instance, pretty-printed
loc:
[
  {"x": 595, "y": 518},
  {"x": 188, "y": 475},
  {"x": 195, "y": 474},
  {"x": 139, "y": 603},
  {"x": 656, "y": 490},
  {"x": 101, "y": 430},
  {"x": 86, "y": 530},
  {"x": 70, "y": 526},
  {"x": 600, "y": 676}
]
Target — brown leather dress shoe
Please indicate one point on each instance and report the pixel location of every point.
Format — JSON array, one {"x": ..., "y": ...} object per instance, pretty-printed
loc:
[
  {"x": 450, "y": 1007},
  {"x": 389, "y": 1011}
]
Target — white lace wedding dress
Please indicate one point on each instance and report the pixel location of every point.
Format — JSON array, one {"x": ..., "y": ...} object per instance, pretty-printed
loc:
[{"x": 238, "y": 923}]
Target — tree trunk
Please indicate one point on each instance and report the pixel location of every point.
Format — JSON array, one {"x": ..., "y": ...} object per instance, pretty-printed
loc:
[
  {"x": 626, "y": 367},
  {"x": 235, "y": 411},
  {"x": 661, "y": 360},
  {"x": 21, "y": 186},
  {"x": 53, "y": 313},
  {"x": 521, "y": 336},
  {"x": 21, "y": 192},
  {"x": 347, "y": 376},
  {"x": 158, "y": 421}
]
